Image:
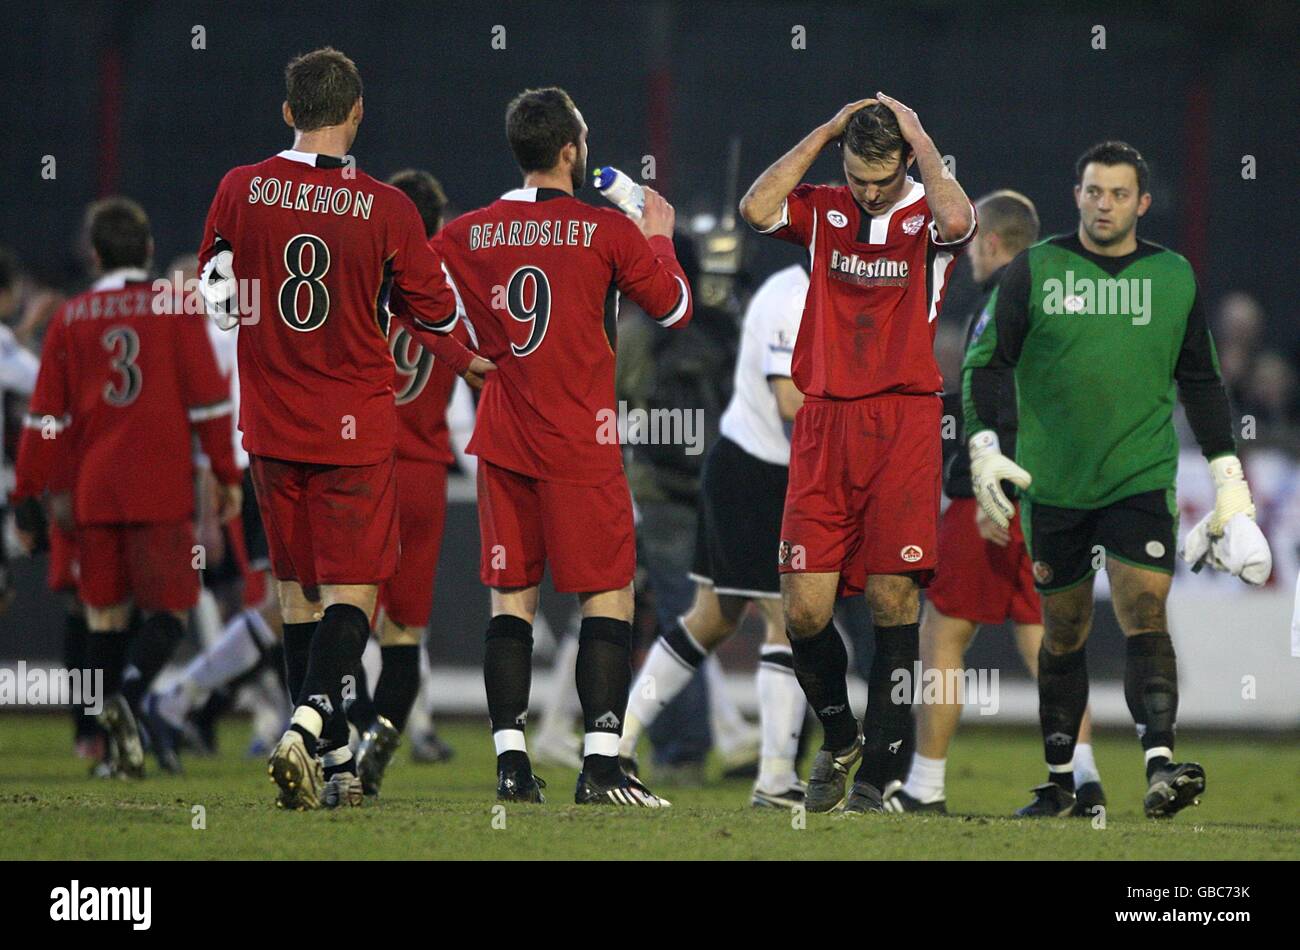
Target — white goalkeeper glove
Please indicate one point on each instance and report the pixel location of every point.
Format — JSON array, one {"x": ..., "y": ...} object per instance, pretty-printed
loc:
[
  {"x": 1227, "y": 539},
  {"x": 988, "y": 467},
  {"x": 220, "y": 291}
]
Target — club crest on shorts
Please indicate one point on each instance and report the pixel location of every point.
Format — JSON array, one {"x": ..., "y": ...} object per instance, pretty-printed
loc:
[
  {"x": 913, "y": 224},
  {"x": 784, "y": 551},
  {"x": 1042, "y": 572},
  {"x": 837, "y": 218},
  {"x": 911, "y": 553},
  {"x": 1155, "y": 549}
]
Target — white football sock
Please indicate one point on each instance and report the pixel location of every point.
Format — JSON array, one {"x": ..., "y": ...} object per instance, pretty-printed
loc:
[
  {"x": 662, "y": 677},
  {"x": 1085, "y": 766},
  {"x": 925, "y": 778},
  {"x": 234, "y": 654},
  {"x": 730, "y": 729},
  {"x": 781, "y": 705}
]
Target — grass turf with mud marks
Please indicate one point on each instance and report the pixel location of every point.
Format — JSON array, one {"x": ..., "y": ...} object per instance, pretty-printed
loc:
[{"x": 49, "y": 808}]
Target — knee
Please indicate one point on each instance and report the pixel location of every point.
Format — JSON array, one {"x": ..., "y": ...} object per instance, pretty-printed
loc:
[
  {"x": 1066, "y": 627},
  {"x": 1145, "y": 614},
  {"x": 805, "y": 618},
  {"x": 893, "y": 601}
]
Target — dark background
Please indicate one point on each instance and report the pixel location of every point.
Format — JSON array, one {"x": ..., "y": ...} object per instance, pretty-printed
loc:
[{"x": 1014, "y": 91}]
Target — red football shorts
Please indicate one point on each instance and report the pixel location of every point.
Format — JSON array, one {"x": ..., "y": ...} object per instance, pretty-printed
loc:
[
  {"x": 328, "y": 524},
  {"x": 63, "y": 569},
  {"x": 151, "y": 564},
  {"x": 977, "y": 580},
  {"x": 585, "y": 532},
  {"x": 407, "y": 596},
  {"x": 863, "y": 496}
]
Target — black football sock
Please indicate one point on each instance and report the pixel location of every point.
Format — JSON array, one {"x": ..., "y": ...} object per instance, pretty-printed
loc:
[
  {"x": 106, "y": 650},
  {"x": 683, "y": 646},
  {"x": 152, "y": 647},
  {"x": 821, "y": 664},
  {"x": 1151, "y": 691},
  {"x": 1062, "y": 699},
  {"x": 604, "y": 676},
  {"x": 887, "y": 725},
  {"x": 336, "y": 650},
  {"x": 297, "y": 648},
  {"x": 75, "y": 634},
  {"x": 508, "y": 678},
  {"x": 333, "y": 745},
  {"x": 361, "y": 710},
  {"x": 399, "y": 683}
]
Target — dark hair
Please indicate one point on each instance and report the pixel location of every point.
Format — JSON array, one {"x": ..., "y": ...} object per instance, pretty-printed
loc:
[
  {"x": 118, "y": 229},
  {"x": 1011, "y": 216},
  {"x": 540, "y": 122},
  {"x": 1115, "y": 153},
  {"x": 321, "y": 88},
  {"x": 425, "y": 190},
  {"x": 874, "y": 136}
]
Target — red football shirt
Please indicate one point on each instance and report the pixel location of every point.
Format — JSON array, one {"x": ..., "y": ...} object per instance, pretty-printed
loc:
[
  {"x": 120, "y": 390},
  {"x": 876, "y": 287},
  {"x": 422, "y": 388},
  {"x": 322, "y": 240},
  {"x": 540, "y": 273}
]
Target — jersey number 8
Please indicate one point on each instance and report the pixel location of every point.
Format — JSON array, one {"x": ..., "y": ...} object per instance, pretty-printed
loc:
[{"x": 305, "y": 271}]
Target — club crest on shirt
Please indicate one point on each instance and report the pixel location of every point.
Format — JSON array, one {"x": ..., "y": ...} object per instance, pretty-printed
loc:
[
  {"x": 1042, "y": 572},
  {"x": 837, "y": 218},
  {"x": 913, "y": 224},
  {"x": 911, "y": 553}
]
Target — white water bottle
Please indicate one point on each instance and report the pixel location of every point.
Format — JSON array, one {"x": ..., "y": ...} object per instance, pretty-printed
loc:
[{"x": 621, "y": 190}]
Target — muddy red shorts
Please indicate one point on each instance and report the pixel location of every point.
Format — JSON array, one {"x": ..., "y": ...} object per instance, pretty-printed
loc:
[
  {"x": 407, "y": 596},
  {"x": 584, "y": 532},
  {"x": 864, "y": 486},
  {"x": 152, "y": 565},
  {"x": 63, "y": 569},
  {"x": 977, "y": 580},
  {"x": 328, "y": 524}
]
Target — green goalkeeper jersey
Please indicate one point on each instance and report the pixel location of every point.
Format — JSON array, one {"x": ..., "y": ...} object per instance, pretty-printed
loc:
[{"x": 1099, "y": 345}]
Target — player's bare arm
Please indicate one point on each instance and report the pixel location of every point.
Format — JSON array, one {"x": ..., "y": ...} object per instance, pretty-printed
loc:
[
  {"x": 761, "y": 206},
  {"x": 952, "y": 211}
]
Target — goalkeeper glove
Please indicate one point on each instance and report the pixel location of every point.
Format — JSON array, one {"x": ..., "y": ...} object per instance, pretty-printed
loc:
[
  {"x": 988, "y": 467},
  {"x": 220, "y": 291},
  {"x": 1227, "y": 538}
]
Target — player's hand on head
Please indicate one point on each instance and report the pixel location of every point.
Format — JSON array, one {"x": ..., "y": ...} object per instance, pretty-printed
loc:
[
  {"x": 989, "y": 468},
  {"x": 989, "y": 531},
  {"x": 476, "y": 373},
  {"x": 835, "y": 127},
  {"x": 908, "y": 121},
  {"x": 657, "y": 217}
]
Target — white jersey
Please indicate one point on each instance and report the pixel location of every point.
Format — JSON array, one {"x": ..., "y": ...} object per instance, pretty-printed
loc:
[
  {"x": 752, "y": 419},
  {"x": 225, "y": 344},
  {"x": 18, "y": 368}
]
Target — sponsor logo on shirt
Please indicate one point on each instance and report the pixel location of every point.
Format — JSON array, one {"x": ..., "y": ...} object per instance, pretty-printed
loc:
[{"x": 881, "y": 272}]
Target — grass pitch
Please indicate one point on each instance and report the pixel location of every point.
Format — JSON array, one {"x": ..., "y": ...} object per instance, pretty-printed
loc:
[{"x": 50, "y": 809}]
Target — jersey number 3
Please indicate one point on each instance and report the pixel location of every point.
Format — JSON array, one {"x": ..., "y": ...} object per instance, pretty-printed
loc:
[
  {"x": 307, "y": 260},
  {"x": 124, "y": 344}
]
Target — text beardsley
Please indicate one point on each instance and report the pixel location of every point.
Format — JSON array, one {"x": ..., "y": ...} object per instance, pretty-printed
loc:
[{"x": 572, "y": 232}]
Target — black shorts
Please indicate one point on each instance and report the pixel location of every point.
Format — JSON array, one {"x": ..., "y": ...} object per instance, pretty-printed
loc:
[
  {"x": 1068, "y": 545},
  {"x": 739, "y": 526}
]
